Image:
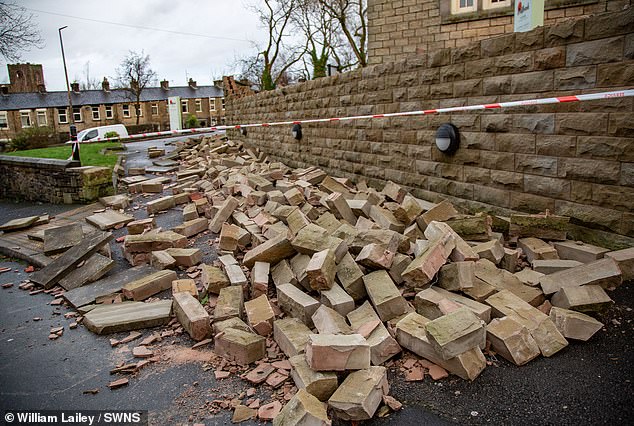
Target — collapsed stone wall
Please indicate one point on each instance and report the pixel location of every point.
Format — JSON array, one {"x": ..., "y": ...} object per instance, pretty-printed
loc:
[
  {"x": 574, "y": 159},
  {"x": 52, "y": 181}
]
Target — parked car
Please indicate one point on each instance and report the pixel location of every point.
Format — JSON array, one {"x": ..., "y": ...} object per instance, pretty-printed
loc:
[{"x": 101, "y": 132}]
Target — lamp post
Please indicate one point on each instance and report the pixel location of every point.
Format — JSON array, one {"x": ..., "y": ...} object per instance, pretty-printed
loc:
[{"x": 73, "y": 128}]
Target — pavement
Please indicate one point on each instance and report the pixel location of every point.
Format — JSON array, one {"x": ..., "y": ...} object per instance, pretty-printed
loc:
[{"x": 586, "y": 383}]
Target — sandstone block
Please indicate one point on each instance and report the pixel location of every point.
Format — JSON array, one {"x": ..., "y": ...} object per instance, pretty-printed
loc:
[
  {"x": 410, "y": 334},
  {"x": 321, "y": 270},
  {"x": 512, "y": 340},
  {"x": 439, "y": 213},
  {"x": 139, "y": 226},
  {"x": 190, "y": 212},
  {"x": 337, "y": 299},
  {"x": 149, "y": 285},
  {"x": 240, "y": 346},
  {"x": 399, "y": 264},
  {"x": 456, "y": 332},
  {"x": 163, "y": 203},
  {"x": 236, "y": 275},
  {"x": 602, "y": 272},
  {"x": 534, "y": 249},
  {"x": 480, "y": 310},
  {"x": 457, "y": 276},
  {"x": 282, "y": 273},
  {"x": 337, "y": 352},
  {"x": 384, "y": 295},
  {"x": 234, "y": 322},
  {"x": 365, "y": 321},
  {"x": 586, "y": 298},
  {"x": 573, "y": 324},
  {"x": 213, "y": 279},
  {"x": 491, "y": 250},
  {"x": 375, "y": 256},
  {"x": 351, "y": 277},
  {"x": 260, "y": 315},
  {"x": 409, "y": 210},
  {"x": 291, "y": 335},
  {"x": 303, "y": 409},
  {"x": 320, "y": 384},
  {"x": 510, "y": 260},
  {"x": 229, "y": 235},
  {"x": 260, "y": 278},
  {"x": 185, "y": 285},
  {"x": 186, "y": 256},
  {"x": 192, "y": 316},
  {"x": 545, "y": 226},
  {"x": 360, "y": 394},
  {"x": 340, "y": 208},
  {"x": 543, "y": 330},
  {"x": 296, "y": 303},
  {"x": 223, "y": 214},
  {"x": 329, "y": 321},
  {"x": 625, "y": 260},
  {"x": 272, "y": 251},
  {"x": 579, "y": 251},
  {"x": 192, "y": 227},
  {"x": 294, "y": 197},
  {"x": 229, "y": 304},
  {"x": 154, "y": 241},
  {"x": 554, "y": 265},
  {"x": 424, "y": 267},
  {"x": 386, "y": 219},
  {"x": 461, "y": 252},
  {"x": 529, "y": 277},
  {"x": 501, "y": 279}
]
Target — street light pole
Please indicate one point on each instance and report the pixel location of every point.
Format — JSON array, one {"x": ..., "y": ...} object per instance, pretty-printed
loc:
[{"x": 73, "y": 128}]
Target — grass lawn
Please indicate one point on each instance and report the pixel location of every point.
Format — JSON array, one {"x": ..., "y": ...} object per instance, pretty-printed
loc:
[{"x": 88, "y": 152}]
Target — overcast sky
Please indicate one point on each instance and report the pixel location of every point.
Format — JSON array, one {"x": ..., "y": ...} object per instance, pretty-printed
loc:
[{"x": 228, "y": 27}]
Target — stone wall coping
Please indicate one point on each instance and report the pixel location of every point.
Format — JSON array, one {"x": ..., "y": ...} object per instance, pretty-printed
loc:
[{"x": 30, "y": 161}]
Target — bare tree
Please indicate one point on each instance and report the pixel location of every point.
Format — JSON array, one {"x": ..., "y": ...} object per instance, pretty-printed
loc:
[
  {"x": 276, "y": 58},
  {"x": 87, "y": 82},
  {"x": 311, "y": 18},
  {"x": 351, "y": 16},
  {"x": 17, "y": 31},
  {"x": 134, "y": 75}
]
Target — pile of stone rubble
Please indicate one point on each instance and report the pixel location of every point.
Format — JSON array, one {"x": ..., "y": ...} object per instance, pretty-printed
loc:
[{"x": 343, "y": 278}]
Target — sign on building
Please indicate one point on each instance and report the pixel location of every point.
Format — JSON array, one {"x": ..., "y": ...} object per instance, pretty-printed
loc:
[
  {"x": 528, "y": 15},
  {"x": 175, "y": 112}
]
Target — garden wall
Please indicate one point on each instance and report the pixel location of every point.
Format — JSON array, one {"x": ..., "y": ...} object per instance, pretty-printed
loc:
[
  {"x": 574, "y": 159},
  {"x": 52, "y": 181}
]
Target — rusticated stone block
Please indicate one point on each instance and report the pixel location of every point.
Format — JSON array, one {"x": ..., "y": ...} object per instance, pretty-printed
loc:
[{"x": 594, "y": 52}]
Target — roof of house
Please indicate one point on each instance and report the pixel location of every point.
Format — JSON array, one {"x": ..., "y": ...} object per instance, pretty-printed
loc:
[{"x": 15, "y": 101}]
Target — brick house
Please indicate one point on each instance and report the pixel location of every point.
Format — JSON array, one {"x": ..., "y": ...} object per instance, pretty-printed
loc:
[
  {"x": 25, "y": 103},
  {"x": 399, "y": 28}
]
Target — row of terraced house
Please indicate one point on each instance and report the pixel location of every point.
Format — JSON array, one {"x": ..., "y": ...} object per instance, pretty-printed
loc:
[{"x": 25, "y": 103}]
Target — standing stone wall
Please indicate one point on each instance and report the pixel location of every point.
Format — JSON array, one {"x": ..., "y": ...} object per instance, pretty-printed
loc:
[
  {"x": 52, "y": 181},
  {"x": 574, "y": 159}
]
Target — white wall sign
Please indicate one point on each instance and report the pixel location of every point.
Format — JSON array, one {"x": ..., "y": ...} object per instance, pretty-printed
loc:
[
  {"x": 528, "y": 15},
  {"x": 174, "y": 110}
]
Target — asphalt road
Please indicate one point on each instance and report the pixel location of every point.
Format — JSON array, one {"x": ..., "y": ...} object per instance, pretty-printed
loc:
[{"x": 586, "y": 383}]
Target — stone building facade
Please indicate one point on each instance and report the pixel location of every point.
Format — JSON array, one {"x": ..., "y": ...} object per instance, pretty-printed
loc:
[
  {"x": 398, "y": 28},
  {"x": 574, "y": 159},
  {"x": 25, "y": 103}
]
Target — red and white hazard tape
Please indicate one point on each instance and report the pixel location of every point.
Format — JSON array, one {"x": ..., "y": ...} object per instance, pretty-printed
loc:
[{"x": 539, "y": 101}]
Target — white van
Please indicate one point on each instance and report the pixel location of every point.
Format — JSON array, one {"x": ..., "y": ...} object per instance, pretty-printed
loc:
[{"x": 99, "y": 133}]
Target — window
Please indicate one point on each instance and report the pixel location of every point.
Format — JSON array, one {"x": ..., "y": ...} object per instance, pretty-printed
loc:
[
  {"x": 126, "y": 111},
  {"x": 494, "y": 4},
  {"x": 90, "y": 135},
  {"x": 40, "y": 115},
  {"x": 199, "y": 105},
  {"x": 154, "y": 109},
  {"x": 25, "y": 118},
  {"x": 223, "y": 104},
  {"x": 184, "y": 106},
  {"x": 95, "y": 113},
  {"x": 77, "y": 115},
  {"x": 463, "y": 6},
  {"x": 212, "y": 104},
  {"x": 62, "y": 116},
  {"x": 4, "y": 122},
  {"x": 109, "y": 114}
]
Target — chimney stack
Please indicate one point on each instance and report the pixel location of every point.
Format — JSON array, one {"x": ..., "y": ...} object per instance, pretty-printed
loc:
[
  {"x": 74, "y": 87},
  {"x": 165, "y": 85},
  {"x": 105, "y": 85},
  {"x": 192, "y": 84},
  {"x": 41, "y": 88}
]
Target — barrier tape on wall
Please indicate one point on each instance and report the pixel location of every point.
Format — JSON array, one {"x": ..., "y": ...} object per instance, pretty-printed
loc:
[{"x": 511, "y": 104}]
